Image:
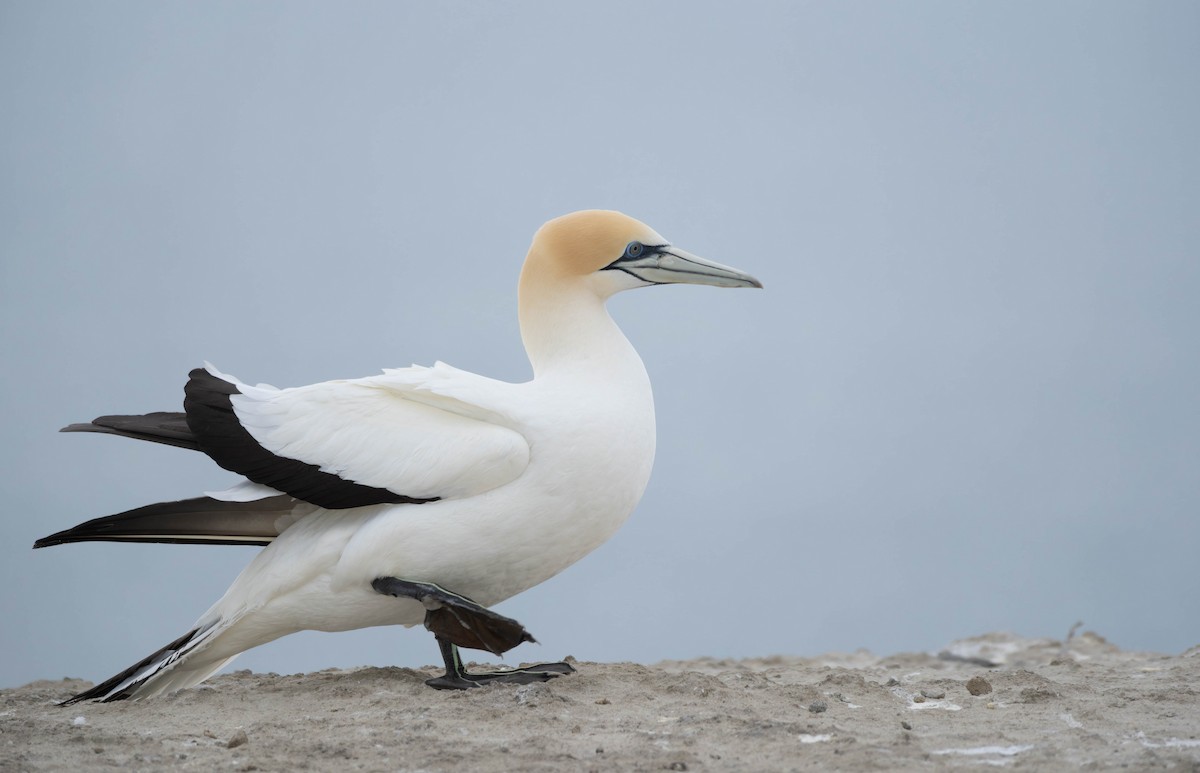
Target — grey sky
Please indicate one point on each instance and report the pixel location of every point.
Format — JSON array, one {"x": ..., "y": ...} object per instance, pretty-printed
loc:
[{"x": 965, "y": 401}]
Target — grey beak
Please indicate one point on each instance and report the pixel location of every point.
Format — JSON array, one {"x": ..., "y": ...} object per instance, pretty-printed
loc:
[{"x": 671, "y": 265}]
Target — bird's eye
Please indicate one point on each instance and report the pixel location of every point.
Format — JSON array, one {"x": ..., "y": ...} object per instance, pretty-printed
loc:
[{"x": 634, "y": 249}]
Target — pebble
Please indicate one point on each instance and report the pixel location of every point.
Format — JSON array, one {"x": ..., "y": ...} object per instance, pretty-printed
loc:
[
  {"x": 977, "y": 685},
  {"x": 532, "y": 694},
  {"x": 904, "y": 723},
  {"x": 817, "y": 707},
  {"x": 78, "y": 721},
  {"x": 239, "y": 738},
  {"x": 936, "y": 695}
]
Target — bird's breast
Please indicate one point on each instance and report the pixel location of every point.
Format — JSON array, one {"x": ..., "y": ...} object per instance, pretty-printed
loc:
[{"x": 591, "y": 452}]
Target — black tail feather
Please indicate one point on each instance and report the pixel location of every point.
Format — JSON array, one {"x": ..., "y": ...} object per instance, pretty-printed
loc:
[
  {"x": 203, "y": 521},
  {"x": 103, "y": 689},
  {"x": 167, "y": 427}
]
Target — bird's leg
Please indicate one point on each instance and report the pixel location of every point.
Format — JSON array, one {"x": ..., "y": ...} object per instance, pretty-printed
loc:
[
  {"x": 456, "y": 618},
  {"x": 457, "y": 677},
  {"x": 457, "y": 621}
]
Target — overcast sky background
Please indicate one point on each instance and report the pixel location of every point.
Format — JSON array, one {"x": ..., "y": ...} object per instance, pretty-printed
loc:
[{"x": 967, "y": 399}]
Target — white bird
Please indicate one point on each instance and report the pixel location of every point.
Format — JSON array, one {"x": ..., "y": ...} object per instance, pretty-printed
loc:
[{"x": 422, "y": 494}]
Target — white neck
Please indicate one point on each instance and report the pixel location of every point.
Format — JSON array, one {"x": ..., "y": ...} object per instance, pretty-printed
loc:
[{"x": 567, "y": 331}]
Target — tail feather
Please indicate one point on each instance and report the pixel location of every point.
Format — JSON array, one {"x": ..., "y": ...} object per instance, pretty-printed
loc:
[
  {"x": 153, "y": 674},
  {"x": 202, "y": 520},
  {"x": 167, "y": 427}
]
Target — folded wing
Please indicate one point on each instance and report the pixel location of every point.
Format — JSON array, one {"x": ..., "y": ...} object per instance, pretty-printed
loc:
[{"x": 342, "y": 444}]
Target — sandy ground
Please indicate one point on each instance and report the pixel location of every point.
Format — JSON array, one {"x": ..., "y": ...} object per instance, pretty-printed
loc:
[{"x": 990, "y": 701}]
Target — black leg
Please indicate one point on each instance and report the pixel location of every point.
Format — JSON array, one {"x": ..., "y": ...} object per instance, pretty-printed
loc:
[{"x": 457, "y": 621}]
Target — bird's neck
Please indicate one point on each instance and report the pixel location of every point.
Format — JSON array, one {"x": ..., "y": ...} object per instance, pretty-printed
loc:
[{"x": 567, "y": 331}]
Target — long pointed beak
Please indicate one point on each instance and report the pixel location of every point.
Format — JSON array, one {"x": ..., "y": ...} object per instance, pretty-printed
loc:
[{"x": 671, "y": 265}]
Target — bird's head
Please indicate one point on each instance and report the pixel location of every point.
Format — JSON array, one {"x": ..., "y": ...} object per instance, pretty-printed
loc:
[{"x": 612, "y": 252}]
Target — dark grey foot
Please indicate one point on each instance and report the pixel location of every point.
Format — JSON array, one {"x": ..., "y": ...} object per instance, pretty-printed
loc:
[
  {"x": 457, "y": 621},
  {"x": 457, "y": 678},
  {"x": 456, "y": 618}
]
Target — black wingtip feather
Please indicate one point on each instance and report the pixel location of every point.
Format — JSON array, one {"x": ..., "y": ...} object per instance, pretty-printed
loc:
[
  {"x": 166, "y": 427},
  {"x": 219, "y": 433},
  {"x": 199, "y": 521}
]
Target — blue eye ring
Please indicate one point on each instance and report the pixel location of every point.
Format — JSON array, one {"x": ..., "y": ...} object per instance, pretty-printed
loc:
[{"x": 634, "y": 250}]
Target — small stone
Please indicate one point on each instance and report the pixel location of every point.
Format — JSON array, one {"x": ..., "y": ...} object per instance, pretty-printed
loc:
[
  {"x": 677, "y": 766},
  {"x": 603, "y": 702},
  {"x": 918, "y": 699},
  {"x": 904, "y": 723},
  {"x": 599, "y": 750},
  {"x": 977, "y": 685},
  {"x": 818, "y": 707},
  {"x": 892, "y": 682},
  {"x": 532, "y": 694},
  {"x": 238, "y": 739},
  {"x": 936, "y": 695},
  {"x": 78, "y": 721}
]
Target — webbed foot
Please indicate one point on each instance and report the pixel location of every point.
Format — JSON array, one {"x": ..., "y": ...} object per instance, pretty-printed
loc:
[
  {"x": 458, "y": 678},
  {"x": 457, "y": 618},
  {"x": 457, "y": 621}
]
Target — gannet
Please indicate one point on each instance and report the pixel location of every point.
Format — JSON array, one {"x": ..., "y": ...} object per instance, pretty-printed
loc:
[{"x": 424, "y": 494}]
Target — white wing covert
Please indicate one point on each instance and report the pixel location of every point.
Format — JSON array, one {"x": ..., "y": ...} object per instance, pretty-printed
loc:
[{"x": 403, "y": 432}]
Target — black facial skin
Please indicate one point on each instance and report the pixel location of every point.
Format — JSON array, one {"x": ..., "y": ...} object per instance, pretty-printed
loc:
[{"x": 635, "y": 251}]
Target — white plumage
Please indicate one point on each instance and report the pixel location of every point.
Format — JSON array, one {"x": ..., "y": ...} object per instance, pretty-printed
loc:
[
  {"x": 525, "y": 479},
  {"x": 402, "y": 431}
]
